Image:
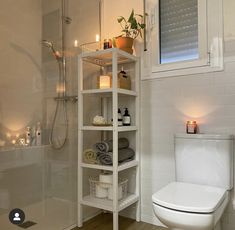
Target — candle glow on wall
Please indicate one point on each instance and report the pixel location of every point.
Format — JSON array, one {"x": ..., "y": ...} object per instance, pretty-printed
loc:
[{"x": 60, "y": 88}]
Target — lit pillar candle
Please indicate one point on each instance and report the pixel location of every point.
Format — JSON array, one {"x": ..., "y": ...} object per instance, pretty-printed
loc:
[
  {"x": 191, "y": 127},
  {"x": 97, "y": 37},
  {"x": 75, "y": 43},
  {"x": 105, "y": 82}
]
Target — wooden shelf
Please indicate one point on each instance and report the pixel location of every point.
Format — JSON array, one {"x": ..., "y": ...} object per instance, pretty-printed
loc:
[
  {"x": 108, "y": 204},
  {"x": 121, "y": 167}
]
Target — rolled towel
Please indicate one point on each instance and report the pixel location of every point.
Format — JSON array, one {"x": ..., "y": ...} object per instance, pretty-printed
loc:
[
  {"x": 124, "y": 155},
  {"x": 104, "y": 146},
  {"x": 105, "y": 158},
  {"x": 89, "y": 156},
  {"x": 107, "y": 146}
]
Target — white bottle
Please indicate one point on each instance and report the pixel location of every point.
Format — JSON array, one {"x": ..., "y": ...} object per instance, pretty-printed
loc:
[
  {"x": 38, "y": 135},
  {"x": 28, "y": 136}
]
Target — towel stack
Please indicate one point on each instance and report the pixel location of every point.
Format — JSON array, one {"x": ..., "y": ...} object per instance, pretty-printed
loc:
[{"x": 104, "y": 151}]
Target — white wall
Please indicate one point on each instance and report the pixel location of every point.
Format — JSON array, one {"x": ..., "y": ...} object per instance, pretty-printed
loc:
[
  {"x": 113, "y": 9},
  {"x": 20, "y": 58},
  {"x": 168, "y": 103}
]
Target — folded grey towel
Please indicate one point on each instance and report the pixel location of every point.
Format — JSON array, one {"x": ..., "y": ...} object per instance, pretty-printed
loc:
[
  {"x": 124, "y": 155},
  {"x": 107, "y": 146},
  {"x": 105, "y": 158}
]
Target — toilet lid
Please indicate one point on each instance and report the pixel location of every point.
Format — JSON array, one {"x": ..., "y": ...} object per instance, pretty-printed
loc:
[{"x": 190, "y": 197}]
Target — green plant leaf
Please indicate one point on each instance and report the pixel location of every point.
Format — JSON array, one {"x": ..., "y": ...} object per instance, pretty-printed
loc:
[
  {"x": 134, "y": 24},
  {"x": 140, "y": 15},
  {"x": 142, "y": 26},
  {"x": 120, "y": 19},
  {"x": 131, "y": 16}
]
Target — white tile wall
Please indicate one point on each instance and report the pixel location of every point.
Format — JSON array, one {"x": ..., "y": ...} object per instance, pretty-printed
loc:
[{"x": 167, "y": 103}]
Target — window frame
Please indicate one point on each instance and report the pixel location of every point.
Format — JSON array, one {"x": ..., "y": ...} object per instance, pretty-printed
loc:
[{"x": 210, "y": 30}]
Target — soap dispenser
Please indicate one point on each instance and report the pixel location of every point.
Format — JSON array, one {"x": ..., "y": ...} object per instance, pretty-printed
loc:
[
  {"x": 126, "y": 118},
  {"x": 38, "y": 134}
]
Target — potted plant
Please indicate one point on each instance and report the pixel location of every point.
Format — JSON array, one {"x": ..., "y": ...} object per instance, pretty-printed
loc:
[{"x": 131, "y": 29}]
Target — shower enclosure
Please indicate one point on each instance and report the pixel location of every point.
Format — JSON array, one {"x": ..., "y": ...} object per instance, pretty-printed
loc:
[{"x": 38, "y": 83}]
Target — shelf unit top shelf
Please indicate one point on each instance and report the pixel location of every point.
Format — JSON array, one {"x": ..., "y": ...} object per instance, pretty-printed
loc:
[
  {"x": 108, "y": 92},
  {"x": 108, "y": 204},
  {"x": 104, "y": 57},
  {"x": 121, "y": 167}
]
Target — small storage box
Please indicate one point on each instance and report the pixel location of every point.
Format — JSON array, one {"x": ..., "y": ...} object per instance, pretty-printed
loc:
[
  {"x": 105, "y": 190},
  {"x": 124, "y": 81}
]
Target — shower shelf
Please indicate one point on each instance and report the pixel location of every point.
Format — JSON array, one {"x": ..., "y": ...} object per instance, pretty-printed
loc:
[
  {"x": 15, "y": 148},
  {"x": 92, "y": 101}
]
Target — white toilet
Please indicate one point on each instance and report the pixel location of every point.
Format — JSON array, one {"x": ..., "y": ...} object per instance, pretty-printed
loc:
[{"x": 204, "y": 176}]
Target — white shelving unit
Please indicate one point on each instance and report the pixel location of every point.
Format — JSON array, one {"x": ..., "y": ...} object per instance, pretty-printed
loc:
[{"x": 112, "y": 60}]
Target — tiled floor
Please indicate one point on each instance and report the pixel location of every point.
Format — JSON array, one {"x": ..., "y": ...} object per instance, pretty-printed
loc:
[
  {"x": 104, "y": 222},
  {"x": 51, "y": 214}
]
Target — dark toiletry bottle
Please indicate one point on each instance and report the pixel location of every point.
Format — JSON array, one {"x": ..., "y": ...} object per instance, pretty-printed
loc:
[
  {"x": 119, "y": 117},
  {"x": 126, "y": 118},
  {"x": 106, "y": 44}
]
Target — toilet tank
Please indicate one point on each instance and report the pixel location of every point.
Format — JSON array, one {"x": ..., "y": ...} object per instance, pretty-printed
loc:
[{"x": 204, "y": 159}]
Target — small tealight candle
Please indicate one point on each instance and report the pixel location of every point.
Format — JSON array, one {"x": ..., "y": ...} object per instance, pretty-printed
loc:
[
  {"x": 13, "y": 142},
  {"x": 104, "y": 82},
  {"x": 191, "y": 127}
]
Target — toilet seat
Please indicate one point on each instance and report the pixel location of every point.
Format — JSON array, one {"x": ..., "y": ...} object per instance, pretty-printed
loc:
[{"x": 190, "y": 198}]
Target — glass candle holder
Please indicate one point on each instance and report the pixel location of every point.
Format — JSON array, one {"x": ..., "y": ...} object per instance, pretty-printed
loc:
[
  {"x": 191, "y": 127},
  {"x": 105, "y": 82}
]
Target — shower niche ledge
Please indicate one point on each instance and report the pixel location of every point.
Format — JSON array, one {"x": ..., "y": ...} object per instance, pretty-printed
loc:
[
  {"x": 93, "y": 100},
  {"x": 19, "y": 147}
]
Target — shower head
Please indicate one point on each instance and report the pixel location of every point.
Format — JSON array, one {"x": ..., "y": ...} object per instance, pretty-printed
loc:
[{"x": 50, "y": 45}]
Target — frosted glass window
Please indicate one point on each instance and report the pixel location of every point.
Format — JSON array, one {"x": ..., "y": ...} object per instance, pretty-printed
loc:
[{"x": 178, "y": 30}]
